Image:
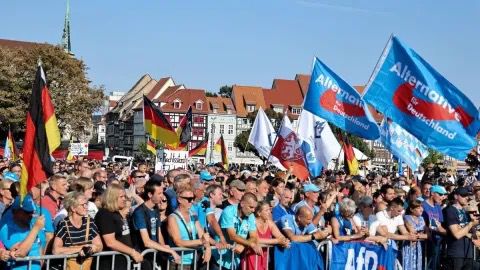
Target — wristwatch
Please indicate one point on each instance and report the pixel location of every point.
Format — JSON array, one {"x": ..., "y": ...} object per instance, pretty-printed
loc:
[{"x": 312, "y": 236}]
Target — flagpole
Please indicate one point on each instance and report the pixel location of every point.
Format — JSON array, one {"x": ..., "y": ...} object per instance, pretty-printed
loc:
[
  {"x": 377, "y": 68},
  {"x": 341, "y": 148}
]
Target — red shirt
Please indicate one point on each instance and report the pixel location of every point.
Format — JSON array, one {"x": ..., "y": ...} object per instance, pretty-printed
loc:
[{"x": 52, "y": 205}]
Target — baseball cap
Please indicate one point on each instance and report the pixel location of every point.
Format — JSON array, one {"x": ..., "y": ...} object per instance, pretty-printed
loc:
[
  {"x": 157, "y": 177},
  {"x": 310, "y": 188},
  {"x": 28, "y": 205},
  {"x": 238, "y": 185},
  {"x": 462, "y": 191},
  {"x": 205, "y": 176},
  {"x": 438, "y": 189},
  {"x": 10, "y": 176}
]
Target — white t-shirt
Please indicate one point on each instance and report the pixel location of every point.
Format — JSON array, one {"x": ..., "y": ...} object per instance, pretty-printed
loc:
[{"x": 391, "y": 223}]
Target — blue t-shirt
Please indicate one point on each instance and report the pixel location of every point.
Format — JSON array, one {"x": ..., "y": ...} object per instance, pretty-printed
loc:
[
  {"x": 345, "y": 227},
  {"x": 172, "y": 200},
  {"x": 297, "y": 206},
  {"x": 201, "y": 212},
  {"x": 49, "y": 228},
  {"x": 153, "y": 217},
  {"x": 288, "y": 222},
  {"x": 429, "y": 214},
  {"x": 187, "y": 231},
  {"x": 11, "y": 234},
  {"x": 278, "y": 212},
  {"x": 242, "y": 226}
]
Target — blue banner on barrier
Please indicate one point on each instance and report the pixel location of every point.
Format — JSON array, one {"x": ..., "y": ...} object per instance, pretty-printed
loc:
[
  {"x": 298, "y": 256},
  {"x": 405, "y": 88},
  {"x": 362, "y": 256}
]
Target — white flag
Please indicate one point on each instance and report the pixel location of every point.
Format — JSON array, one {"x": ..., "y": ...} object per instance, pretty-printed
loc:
[
  {"x": 263, "y": 136},
  {"x": 318, "y": 142}
]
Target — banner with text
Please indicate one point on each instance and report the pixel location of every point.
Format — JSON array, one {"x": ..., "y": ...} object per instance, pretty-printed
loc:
[
  {"x": 79, "y": 149},
  {"x": 362, "y": 256},
  {"x": 405, "y": 88},
  {"x": 170, "y": 159},
  {"x": 334, "y": 100}
]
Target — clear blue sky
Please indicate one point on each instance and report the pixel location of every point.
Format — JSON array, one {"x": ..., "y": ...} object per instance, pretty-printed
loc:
[{"x": 207, "y": 44}]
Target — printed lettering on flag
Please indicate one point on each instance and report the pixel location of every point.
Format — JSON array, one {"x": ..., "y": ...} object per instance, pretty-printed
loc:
[
  {"x": 362, "y": 255},
  {"x": 402, "y": 144},
  {"x": 331, "y": 98},
  {"x": 408, "y": 90}
]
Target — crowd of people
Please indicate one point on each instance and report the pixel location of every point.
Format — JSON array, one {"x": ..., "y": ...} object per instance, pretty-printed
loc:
[{"x": 226, "y": 217}]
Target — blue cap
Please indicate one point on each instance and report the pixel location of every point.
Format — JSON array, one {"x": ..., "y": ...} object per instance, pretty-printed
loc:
[
  {"x": 310, "y": 188},
  {"x": 438, "y": 189},
  {"x": 205, "y": 176},
  {"x": 10, "y": 176},
  {"x": 28, "y": 205}
]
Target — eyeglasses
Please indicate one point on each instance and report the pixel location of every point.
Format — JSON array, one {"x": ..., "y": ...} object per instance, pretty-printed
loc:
[
  {"x": 140, "y": 176},
  {"x": 164, "y": 201},
  {"x": 83, "y": 204},
  {"x": 189, "y": 199}
]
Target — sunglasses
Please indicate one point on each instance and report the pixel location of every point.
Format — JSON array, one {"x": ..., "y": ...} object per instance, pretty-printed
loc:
[
  {"x": 164, "y": 201},
  {"x": 189, "y": 199}
]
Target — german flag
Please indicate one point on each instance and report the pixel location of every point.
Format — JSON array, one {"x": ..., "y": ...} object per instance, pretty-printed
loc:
[
  {"x": 200, "y": 149},
  {"x": 351, "y": 163},
  {"x": 157, "y": 125},
  {"x": 220, "y": 147},
  {"x": 42, "y": 136},
  {"x": 151, "y": 146}
]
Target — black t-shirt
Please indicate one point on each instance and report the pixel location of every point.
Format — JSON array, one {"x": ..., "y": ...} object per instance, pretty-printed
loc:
[
  {"x": 112, "y": 222},
  {"x": 463, "y": 247}
]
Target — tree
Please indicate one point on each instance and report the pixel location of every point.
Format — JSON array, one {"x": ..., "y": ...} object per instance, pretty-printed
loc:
[
  {"x": 210, "y": 94},
  {"x": 241, "y": 140},
  {"x": 74, "y": 99},
  {"x": 433, "y": 158},
  {"x": 225, "y": 91}
]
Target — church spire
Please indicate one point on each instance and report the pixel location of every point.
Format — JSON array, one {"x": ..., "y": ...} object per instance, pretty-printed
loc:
[{"x": 66, "y": 43}]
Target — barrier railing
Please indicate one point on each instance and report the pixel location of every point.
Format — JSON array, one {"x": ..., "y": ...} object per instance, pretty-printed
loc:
[{"x": 46, "y": 259}]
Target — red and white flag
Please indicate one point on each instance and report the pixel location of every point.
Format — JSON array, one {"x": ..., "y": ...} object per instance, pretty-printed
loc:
[{"x": 288, "y": 150}]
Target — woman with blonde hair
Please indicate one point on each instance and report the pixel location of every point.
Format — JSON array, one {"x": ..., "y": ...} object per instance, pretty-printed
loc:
[
  {"x": 114, "y": 229},
  {"x": 76, "y": 233}
]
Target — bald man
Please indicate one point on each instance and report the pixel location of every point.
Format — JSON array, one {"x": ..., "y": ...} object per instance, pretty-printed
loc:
[{"x": 299, "y": 227}]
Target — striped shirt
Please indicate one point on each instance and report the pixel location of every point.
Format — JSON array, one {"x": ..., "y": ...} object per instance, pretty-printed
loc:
[{"x": 75, "y": 236}]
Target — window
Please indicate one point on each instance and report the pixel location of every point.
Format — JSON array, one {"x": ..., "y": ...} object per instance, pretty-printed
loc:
[
  {"x": 250, "y": 108},
  {"x": 278, "y": 109},
  {"x": 198, "y": 105},
  {"x": 215, "y": 111},
  {"x": 222, "y": 129},
  {"x": 230, "y": 147},
  {"x": 296, "y": 110},
  {"x": 177, "y": 104},
  {"x": 213, "y": 129},
  {"x": 229, "y": 111},
  {"x": 230, "y": 129},
  {"x": 245, "y": 121}
]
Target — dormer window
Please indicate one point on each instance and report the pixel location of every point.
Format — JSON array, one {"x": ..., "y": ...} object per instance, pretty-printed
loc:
[
  {"x": 177, "y": 104},
  {"x": 250, "y": 108},
  {"x": 198, "y": 104}
]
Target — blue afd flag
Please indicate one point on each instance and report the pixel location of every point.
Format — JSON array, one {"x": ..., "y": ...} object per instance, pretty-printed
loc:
[
  {"x": 403, "y": 145},
  {"x": 361, "y": 255},
  {"x": 298, "y": 256},
  {"x": 405, "y": 88},
  {"x": 334, "y": 100}
]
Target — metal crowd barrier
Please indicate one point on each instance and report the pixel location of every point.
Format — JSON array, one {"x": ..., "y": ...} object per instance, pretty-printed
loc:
[
  {"x": 45, "y": 260},
  {"x": 325, "y": 248}
]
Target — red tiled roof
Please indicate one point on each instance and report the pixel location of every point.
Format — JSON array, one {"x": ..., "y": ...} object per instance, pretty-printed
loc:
[
  {"x": 151, "y": 95},
  {"x": 243, "y": 94},
  {"x": 17, "y": 44},
  {"x": 376, "y": 114},
  {"x": 170, "y": 90},
  {"x": 303, "y": 80},
  {"x": 188, "y": 97},
  {"x": 221, "y": 104},
  {"x": 286, "y": 93},
  {"x": 112, "y": 103}
]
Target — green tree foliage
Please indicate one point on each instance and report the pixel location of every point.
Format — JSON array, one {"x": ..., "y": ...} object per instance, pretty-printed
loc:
[
  {"x": 241, "y": 141},
  {"x": 225, "y": 91},
  {"x": 433, "y": 157},
  {"x": 210, "y": 94},
  {"x": 74, "y": 99}
]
